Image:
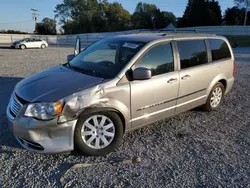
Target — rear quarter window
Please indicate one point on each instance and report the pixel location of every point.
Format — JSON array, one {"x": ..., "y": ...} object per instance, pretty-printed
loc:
[{"x": 219, "y": 49}]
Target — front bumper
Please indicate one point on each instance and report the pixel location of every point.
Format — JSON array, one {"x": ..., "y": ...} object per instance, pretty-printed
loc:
[
  {"x": 42, "y": 136},
  {"x": 14, "y": 46}
]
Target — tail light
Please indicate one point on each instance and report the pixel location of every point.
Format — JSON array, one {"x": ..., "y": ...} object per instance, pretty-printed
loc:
[{"x": 234, "y": 68}]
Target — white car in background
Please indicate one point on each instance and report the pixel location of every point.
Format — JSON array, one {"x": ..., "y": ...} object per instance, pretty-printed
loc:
[{"x": 29, "y": 43}]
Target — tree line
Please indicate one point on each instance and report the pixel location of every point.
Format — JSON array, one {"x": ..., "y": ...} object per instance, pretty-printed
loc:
[
  {"x": 12, "y": 32},
  {"x": 87, "y": 16}
]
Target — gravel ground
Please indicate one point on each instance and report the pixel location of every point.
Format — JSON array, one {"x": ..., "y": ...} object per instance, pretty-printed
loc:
[{"x": 193, "y": 149}]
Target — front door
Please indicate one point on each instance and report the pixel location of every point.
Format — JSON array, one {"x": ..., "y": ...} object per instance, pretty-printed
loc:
[
  {"x": 155, "y": 99},
  {"x": 29, "y": 43}
]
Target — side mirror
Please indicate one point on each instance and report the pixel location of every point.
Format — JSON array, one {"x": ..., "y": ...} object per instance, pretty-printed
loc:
[
  {"x": 70, "y": 57},
  {"x": 142, "y": 73},
  {"x": 77, "y": 49}
]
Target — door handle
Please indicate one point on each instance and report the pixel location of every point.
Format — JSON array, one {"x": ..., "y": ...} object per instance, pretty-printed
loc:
[
  {"x": 172, "y": 80},
  {"x": 185, "y": 77}
]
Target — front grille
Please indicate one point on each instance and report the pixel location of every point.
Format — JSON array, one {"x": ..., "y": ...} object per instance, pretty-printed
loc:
[
  {"x": 14, "y": 106},
  {"x": 22, "y": 101}
]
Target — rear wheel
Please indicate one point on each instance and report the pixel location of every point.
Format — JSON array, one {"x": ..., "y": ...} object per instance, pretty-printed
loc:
[
  {"x": 23, "y": 47},
  {"x": 215, "y": 97},
  {"x": 98, "y": 133},
  {"x": 43, "y": 46}
]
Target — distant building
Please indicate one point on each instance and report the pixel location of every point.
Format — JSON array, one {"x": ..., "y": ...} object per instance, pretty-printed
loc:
[{"x": 170, "y": 26}]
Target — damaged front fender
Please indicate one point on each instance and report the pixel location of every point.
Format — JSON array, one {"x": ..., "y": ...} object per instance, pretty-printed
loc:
[{"x": 98, "y": 97}]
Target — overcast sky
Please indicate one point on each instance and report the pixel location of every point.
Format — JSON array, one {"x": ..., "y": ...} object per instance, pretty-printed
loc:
[{"x": 16, "y": 14}]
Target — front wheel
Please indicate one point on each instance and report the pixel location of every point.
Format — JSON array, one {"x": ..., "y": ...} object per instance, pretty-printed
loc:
[
  {"x": 23, "y": 47},
  {"x": 98, "y": 133},
  {"x": 215, "y": 97},
  {"x": 43, "y": 46}
]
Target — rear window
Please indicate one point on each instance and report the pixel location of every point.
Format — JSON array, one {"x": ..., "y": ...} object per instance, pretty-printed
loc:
[
  {"x": 219, "y": 49},
  {"x": 192, "y": 53}
]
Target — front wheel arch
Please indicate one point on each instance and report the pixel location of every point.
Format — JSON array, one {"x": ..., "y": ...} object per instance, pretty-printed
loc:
[
  {"x": 84, "y": 147},
  {"x": 25, "y": 47},
  {"x": 101, "y": 109}
]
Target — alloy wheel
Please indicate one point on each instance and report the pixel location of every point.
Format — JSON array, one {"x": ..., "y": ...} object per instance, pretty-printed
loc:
[
  {"x": 98, "y": 132},
  {"x": 216, "y": 97}
]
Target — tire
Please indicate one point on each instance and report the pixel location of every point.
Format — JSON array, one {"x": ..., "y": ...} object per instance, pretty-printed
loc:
[
  {"x": 43, "y": 46},
  {"x": 210, "y": 106},
  {"x": 84, "y": 143},
  {"x": 22, "y": 47}
]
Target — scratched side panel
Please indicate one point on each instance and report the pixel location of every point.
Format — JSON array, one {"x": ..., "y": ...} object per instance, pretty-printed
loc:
[{"x": 105, "y": 95}]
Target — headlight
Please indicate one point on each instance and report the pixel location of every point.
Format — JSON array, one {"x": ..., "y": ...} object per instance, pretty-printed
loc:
[{"x": 44, "y": 111}]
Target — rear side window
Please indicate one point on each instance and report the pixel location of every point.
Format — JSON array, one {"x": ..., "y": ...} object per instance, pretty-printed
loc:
[
  {"x": 219, "y": 49},
  {"x": 158, "y": 59},
  {"x": 192, "y": 53}
]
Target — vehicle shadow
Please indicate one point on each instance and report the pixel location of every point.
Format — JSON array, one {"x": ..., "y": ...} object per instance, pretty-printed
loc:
[
  {"x": 6, "y": 47},
  {"x": 7, "y": 85}
]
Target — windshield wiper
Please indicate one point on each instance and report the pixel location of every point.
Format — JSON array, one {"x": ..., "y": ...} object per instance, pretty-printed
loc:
[
  {"x": 84, "y": 71},
  {"x": 73, "y": 67}
]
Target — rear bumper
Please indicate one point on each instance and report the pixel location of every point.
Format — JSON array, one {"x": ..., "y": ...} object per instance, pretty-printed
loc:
[
  {"x": 230, "y": 83},
  {"x": 43, "y": 136}
]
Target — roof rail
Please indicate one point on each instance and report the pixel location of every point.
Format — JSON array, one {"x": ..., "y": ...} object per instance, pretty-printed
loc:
[
  {"x": 148, "y": 30},
  {"x": 179, "y": 30},
  {"x": 167, "y": 30}
]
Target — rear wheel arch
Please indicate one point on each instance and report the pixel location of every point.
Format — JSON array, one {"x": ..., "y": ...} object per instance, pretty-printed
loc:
[
  {"x": 224, "y": 82},
  {"x": 218, "y": 79},
  {"x": 43, "y": 46},
  {"x": 208, "y": 106}
]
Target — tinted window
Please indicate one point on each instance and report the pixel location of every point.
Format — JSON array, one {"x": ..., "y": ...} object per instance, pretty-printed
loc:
[
  {"x": 219, "y": 49},
  {"x": 38, "y": 40},
  {"x": 159, "y": 59},
  {"x": 192, "y": 53},
  {"x": 25, "y": 40}
]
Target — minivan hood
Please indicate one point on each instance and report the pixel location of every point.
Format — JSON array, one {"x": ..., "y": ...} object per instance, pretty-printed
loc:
[{"x": 54, "y": 84}]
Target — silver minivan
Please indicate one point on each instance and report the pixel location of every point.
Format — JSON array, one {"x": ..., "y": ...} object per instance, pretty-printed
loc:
[{"x": 116, "y": 85}]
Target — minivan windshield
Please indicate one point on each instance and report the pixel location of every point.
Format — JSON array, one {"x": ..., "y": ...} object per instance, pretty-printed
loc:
[{"x": 106, "y": 57}]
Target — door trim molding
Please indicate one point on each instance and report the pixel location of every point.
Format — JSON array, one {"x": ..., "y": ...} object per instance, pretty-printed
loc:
[
  {"x": 193, "y": 100},
  {"x": 166, "y": 109},
  {"x": 156, "y": 104},
  {"x": 154, "y": 113},
  {"x": 192, "y": 93},
  {"x": 166, "y": 101}
]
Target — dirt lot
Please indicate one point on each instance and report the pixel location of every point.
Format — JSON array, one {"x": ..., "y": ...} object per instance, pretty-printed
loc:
[{"x": 193, "y": 149}]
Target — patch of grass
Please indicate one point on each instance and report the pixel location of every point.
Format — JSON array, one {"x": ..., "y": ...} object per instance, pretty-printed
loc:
[{"x": 242, "y": 41}]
